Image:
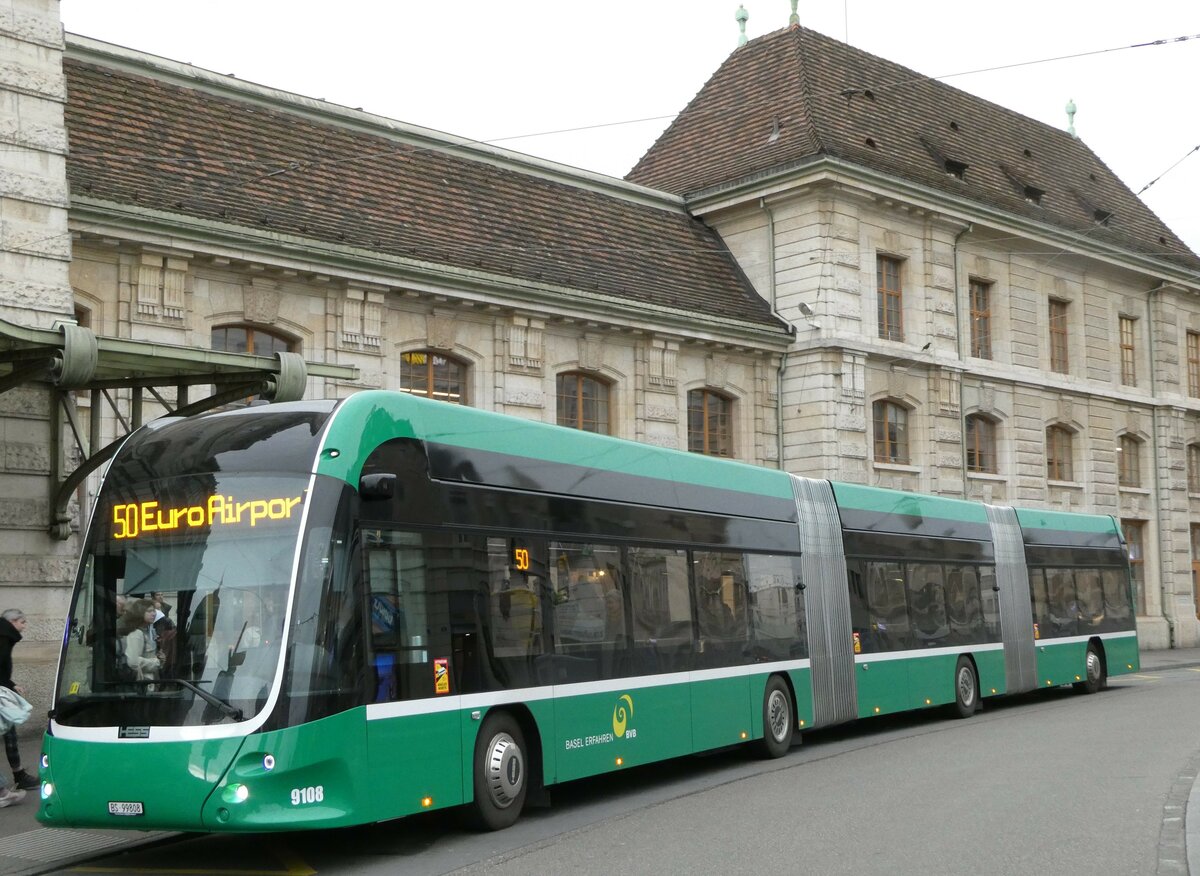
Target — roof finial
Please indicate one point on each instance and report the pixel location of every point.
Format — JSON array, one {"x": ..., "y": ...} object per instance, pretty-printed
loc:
[
  {"x": 1071, "y": 117},
  {"x": 741, "y": 15},
  {"x": 793, "y": 18}
]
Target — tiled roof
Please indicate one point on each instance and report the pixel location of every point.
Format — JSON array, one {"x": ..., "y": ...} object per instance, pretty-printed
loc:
[
  {"x": 161, "y": 145},
  {"x": 795, "y": 95}
]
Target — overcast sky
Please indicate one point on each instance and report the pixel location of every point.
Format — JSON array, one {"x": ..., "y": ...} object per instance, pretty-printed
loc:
[{"x": 496, "y": 70}]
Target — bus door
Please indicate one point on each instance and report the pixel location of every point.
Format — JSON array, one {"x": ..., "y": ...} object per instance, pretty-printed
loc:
[{"x": 722, "y": 710}]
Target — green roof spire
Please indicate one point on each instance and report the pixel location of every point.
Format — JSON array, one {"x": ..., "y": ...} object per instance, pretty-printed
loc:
[
  {"x": 741, "y": 15},
  {"x": 1071, "y": 117},
  {"x": 794, "y": 18}
]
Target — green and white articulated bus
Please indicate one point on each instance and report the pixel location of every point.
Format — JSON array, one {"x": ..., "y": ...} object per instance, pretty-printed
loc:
[{"x": 388, "y": 604}]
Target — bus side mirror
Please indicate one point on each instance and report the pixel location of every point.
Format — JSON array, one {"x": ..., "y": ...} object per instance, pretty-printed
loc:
[{"x": 377, "y": 486}]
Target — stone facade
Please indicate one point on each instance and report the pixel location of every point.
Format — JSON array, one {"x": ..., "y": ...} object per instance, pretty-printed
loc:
[
  {"x": 823, "y": 241},
  {"x": 35, "y": 252}
]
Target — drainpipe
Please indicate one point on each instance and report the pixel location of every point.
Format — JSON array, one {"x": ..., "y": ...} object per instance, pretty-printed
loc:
[
  {"x": 1155, "y": 501},
  {"x": 958, "y": 345},
  {"x": 762, "y": 203}
]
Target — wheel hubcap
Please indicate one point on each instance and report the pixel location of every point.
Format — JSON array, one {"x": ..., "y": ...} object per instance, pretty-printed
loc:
[
  {"x": 1093, "y": 666},
  {"x": 966, "y": 686},
  {"x": 505, "y": 767},
  {"x": 778, "y": 718}
]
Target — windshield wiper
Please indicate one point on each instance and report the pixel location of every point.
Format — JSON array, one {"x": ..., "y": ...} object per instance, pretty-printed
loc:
[{"x": 212, "y": 699}]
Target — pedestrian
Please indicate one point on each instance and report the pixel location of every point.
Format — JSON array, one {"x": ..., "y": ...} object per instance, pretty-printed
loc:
[{"x": 12, "y": 624}]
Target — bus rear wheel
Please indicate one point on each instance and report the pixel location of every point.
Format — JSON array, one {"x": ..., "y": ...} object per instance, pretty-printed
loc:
[
  {"x": 501, "y": 773},
  {"x": 966, "y": 689},
  {"x": 778, "y": 718},
  {"x": 1095, "y": 677}
]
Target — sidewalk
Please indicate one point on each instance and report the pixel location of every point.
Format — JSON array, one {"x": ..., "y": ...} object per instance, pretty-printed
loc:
[{"x": 27, "y": 848}]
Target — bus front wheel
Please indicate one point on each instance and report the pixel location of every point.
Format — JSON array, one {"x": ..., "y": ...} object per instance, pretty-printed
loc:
[
  {"x": 777, "y": 719},
  {"x": 966, "y": 689},
  {"x": 501, "y": 773}
]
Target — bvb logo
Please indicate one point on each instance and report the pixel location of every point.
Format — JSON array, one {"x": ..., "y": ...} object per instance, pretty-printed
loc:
[{"x": 621, "y": 716}]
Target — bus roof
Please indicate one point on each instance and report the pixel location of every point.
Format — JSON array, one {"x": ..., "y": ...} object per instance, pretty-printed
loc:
[{"x": 367, "y": 419}]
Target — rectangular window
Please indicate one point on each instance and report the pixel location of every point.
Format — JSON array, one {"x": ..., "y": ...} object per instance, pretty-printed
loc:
[
  {"x": 1193, "y": 360},
  {"x": 981, "y": 319},
  {"x": 1133, "y": 539},
  {"x": 887, "y": 274},
  {"x": 1128, "y": 351},
  {"x": 1059, "y": 454},
  {"x": 1058, "y": 337},
  {"x": 1196, "y": 568},
  {"x": 981, "y": 445}
]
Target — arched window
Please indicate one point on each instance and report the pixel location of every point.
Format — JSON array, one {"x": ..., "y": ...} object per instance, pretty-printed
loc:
[
  {"x": 710, "y": 423},
  {"x": 433, "y": 375},
  {"x": 582, "y": 402},
  {"x": 1060, "y": 451},
  {"x": 981, "y": 444},
  {"x": 248, "y": 339},
  {"x": 891, "y": 432},
  {"x": 1129, "y": 461}
]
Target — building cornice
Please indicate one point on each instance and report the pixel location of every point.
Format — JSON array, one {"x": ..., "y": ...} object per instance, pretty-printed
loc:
[
  {"x": 155, "y": 228},
  {"x": 824, "y": 169}
]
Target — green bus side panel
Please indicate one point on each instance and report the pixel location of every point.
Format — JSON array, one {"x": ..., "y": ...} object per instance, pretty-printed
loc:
[
  {"x": 172, "y": 781},
  {"x": 993, "y": 676},
  {"x": 802, "y": 685},
  {"x": 721, "y": 712},
  {"x": 368, "y": 418},
  {"x": 931, "y": 679},
  {"x": 1121, "y": 655},
  {"x": 414, "y": 757},
  {"x": 882, "y": 687},
  {"x": 865, "y": 498},
  {"x": 1065, "y": 521},
  {"x": 1060, "y": 662},
  {"x": 638, "y": 725}
]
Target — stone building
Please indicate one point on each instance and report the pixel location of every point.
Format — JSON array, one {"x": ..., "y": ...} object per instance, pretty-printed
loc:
[
  {"x": 827, "y": 263},
  {"x": 982, "y": 308}
]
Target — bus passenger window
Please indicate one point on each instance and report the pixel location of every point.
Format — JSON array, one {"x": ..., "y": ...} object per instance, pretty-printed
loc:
[
  {"x": 662, "y": 610},
  {"x": 887, "y": 607},
  {"x": 990, "y": 599},
  {"x": 1090, "y": 593},
  {"x": 1038, "y": 602},
  {"x": 860, "y": 616},
  {"x": 927, "y": 605},
  {"x": 511, "y": 609},
  {"x": 963, "y": 605},
  {"x": 1062, "y": 603},
  {"x": 721, "y": 609},
  {"x": 589, "y": 611},
  {"x": 1118, "y": 613},
  {"x": 777, "y": 624}
]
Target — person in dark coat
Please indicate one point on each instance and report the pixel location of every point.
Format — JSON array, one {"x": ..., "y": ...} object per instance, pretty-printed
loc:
[{"x": 12, "y": 624}]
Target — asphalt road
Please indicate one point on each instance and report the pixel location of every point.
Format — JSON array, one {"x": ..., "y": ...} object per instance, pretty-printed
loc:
[{"x": 1052, "y": 781}]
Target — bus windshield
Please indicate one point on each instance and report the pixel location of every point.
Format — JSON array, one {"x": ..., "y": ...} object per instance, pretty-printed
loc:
[{"x": 179, "y": 608}]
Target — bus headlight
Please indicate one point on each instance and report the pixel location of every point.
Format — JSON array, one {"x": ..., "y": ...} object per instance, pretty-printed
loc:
[{"x": 47, "y": 790}]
